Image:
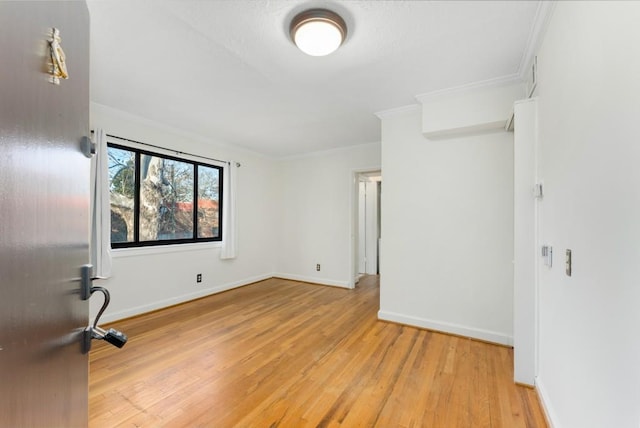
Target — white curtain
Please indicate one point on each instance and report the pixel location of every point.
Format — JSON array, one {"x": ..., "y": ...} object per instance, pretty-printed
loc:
[
  {"x": 100, "y": 208},
  {"x": 229, "y": 248}
]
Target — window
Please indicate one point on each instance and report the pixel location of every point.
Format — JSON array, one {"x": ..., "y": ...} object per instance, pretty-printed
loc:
[{"x": 158, "y": 199}]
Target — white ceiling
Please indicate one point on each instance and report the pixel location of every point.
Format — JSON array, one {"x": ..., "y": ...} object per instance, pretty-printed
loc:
[{"x": 227, "y": 70}]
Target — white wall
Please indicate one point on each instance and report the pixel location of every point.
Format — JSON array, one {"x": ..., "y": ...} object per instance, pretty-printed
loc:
[
  {"x": 293, "y": 214},
  {"x": 150, "y": 278},
  {"x": 447, "y": 230},
  {"x": 589, "y": 133},
  {"x": 318, "y": 196}
]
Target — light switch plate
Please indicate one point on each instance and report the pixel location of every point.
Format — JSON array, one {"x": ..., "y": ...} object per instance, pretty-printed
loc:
[{"x": 547, "y": 254}]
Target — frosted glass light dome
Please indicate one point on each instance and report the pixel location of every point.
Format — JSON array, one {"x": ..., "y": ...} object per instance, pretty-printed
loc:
[{"x": 318, "y": 32}]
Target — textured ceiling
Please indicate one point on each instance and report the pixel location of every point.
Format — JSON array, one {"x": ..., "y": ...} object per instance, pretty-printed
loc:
[{"x": 227, "y": 69}]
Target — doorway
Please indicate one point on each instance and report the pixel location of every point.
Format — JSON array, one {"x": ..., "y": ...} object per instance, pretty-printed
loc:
[{"x": 368, "y": 219}]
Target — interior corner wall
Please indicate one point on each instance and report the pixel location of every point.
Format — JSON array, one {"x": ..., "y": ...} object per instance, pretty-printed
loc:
[
  {"x": 151, "y": 278},
  {"x": 447, "y": 230},
  {"x": 317, "y": 217},
  {"x": 589, "y": 160}
]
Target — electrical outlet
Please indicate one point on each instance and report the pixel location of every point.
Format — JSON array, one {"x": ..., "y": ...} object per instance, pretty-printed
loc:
[
  {"x": 199, "y": 277},
  {"x": 567, "y": 268},
  {"x": 318, "y": 267}
]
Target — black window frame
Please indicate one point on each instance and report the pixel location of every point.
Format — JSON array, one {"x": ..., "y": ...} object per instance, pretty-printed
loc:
[{"x": 136, "y": 243}]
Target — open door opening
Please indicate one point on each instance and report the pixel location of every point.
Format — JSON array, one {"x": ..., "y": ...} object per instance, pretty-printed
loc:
[{"x": 368, "y": 219}]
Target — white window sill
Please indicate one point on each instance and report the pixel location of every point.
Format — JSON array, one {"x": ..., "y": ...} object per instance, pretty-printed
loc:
[{"x": 163, "y": 249}]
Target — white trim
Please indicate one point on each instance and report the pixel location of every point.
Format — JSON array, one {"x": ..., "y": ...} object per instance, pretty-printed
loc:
[
  {"x": 446, "y": 327},
  {"x": 100, "y": 238},
  {"x": 525, "y": 243},
  {"x": 161, "y": 304},
  {"x": 547, "y": 408},
  {"x": 313, "y": 280},
  {"x": 164, "y": 249},
  {"x": 536, "y": 35},
  {"x": 489, "y": 83},
  {"x": 398, "y": 111}
]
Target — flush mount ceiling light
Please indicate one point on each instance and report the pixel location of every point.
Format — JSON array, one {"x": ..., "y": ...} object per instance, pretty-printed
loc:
[{"x": 318, "y": 32}]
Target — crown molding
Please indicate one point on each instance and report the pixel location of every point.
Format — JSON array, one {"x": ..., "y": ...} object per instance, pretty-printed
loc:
[
  {"x": 536, "y": 35},
  {"x": 496, "y": 82},
  {"x": 397, "y": 111}
]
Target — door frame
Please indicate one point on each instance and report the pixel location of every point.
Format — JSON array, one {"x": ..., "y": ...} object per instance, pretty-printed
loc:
[
  {"x": 353, "y": 220},
  {"x": 526, "y": 243}
]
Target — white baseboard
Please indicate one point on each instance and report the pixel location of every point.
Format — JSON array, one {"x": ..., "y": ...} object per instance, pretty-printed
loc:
[
  {"x": 313, "y": 280},
  {"x": 445, "y": 327},
  {"x": 547, "y": 408},
  {"x": 159, "y": 304}
]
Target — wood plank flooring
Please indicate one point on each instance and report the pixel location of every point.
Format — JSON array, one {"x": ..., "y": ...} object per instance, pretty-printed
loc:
[{"x": 287, "y": 354}]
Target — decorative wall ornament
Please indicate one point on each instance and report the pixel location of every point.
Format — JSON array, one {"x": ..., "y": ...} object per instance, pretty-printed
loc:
[{"x": 58, "y": 68}]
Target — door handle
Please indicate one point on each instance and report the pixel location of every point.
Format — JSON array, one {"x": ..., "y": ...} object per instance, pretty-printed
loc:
[{"x": 113, "y": 336}]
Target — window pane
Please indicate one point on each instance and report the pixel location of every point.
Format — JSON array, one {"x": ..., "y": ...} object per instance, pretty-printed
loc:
[
  {"x": 208, "y": 200},
  {"x": 122, "y": 188},
  {"x": 153, "y": 198},
  {"x": 166, "y": 199}
]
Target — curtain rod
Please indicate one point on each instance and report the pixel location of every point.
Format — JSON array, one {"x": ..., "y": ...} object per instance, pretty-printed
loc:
[{"x": 171, "y": 150}]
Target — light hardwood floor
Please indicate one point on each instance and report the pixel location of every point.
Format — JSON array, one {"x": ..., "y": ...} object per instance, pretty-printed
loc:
[{"x": 288, "y": 354}]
